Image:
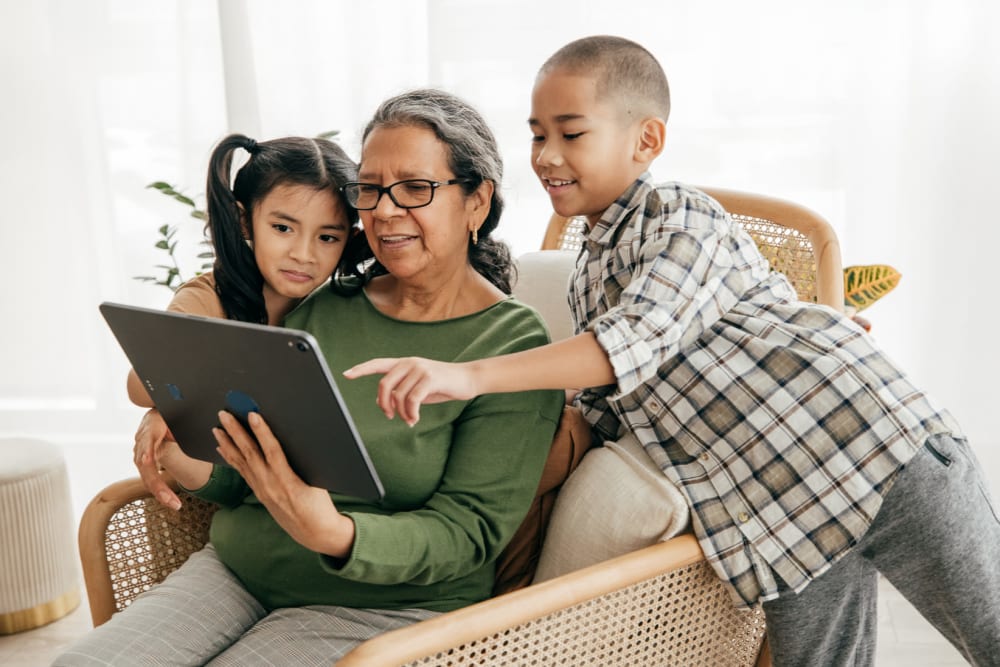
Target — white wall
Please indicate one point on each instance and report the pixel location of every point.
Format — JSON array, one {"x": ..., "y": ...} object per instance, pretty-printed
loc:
[{"x": 881, "y": 115}]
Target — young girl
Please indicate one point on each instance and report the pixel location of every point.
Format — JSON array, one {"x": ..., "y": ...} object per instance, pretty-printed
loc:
[{"x": 279, "y": 233}]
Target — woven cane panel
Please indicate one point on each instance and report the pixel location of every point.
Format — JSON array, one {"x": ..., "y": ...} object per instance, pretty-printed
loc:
[
  {"x": 681, "y": 618},
  {"x": 786, "y": 250},
  {"x": 145, "y": 542},
  {"x": 572, "y": 234}
]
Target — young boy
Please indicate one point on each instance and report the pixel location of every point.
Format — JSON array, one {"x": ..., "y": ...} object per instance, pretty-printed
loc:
[{"x": 808, "y": 459}]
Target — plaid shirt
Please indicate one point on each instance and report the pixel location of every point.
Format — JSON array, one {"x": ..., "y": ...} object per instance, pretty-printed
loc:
[{"x": 781, "y": 421}]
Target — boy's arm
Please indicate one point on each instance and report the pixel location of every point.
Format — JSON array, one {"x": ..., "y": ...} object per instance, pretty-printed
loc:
[{"x": 572, "y": 363}]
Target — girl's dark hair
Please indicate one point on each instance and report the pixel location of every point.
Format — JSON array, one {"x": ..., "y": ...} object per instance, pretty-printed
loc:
[
  {"x": 473, "y": 155},
  {"x": 314, "y": 163}
]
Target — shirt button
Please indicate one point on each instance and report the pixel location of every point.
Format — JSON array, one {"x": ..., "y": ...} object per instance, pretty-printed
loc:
[
  {"x": 654, "y": 406},
  {"x": 705, "y": 457},
  {"x": 743, "y": 517}
]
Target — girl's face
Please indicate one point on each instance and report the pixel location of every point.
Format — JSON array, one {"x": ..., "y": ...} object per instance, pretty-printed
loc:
[
  {"x": 418, "y": 245},
  {"x": 299, "y": 234}
]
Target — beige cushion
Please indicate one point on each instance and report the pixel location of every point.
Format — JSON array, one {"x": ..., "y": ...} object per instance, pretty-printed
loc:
[
  {"x": 615, "y": 502},
  {"x": 542, "y": 280}
]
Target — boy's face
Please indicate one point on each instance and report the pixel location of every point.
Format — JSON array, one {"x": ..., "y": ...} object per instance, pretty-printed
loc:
[{"x": 583, "y": 148}]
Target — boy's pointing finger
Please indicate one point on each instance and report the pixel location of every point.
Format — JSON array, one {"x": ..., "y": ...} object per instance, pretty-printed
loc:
[{"x": 370, "y": 367}]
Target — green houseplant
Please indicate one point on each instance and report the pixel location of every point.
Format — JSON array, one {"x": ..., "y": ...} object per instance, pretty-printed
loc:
[{"x": 170, "y": 276}]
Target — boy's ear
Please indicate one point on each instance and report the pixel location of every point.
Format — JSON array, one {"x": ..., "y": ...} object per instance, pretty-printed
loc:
[{"x": 652, "y": 137}]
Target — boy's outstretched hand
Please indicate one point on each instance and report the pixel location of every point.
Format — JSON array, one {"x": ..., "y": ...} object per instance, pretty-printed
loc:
[{"x": 410, "y": 381}]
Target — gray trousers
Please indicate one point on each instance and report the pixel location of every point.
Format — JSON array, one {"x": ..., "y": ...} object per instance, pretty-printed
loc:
[
  {"x": 202, "y": 615},
  {"x": 936, "y": 539}
]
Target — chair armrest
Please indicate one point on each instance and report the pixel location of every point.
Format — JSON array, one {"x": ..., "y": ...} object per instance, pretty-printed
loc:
[
  {"x": 128, "y": 542},
  {"x": 613, "y": 613},
  {"x": 91, "y": 540}
]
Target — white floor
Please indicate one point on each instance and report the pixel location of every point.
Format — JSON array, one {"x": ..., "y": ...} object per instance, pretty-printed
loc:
[{"x": 905, "y": 638}]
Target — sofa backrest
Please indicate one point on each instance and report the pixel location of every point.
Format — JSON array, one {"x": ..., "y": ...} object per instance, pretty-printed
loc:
[{"x": 542, "y": 278}]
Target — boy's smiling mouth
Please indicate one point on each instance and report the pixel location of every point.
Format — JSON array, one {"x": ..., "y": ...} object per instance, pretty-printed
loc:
[{"x": 555, "y": 184}]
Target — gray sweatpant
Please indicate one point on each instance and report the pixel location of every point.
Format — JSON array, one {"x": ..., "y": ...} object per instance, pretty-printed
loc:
[
  {"x": 936, "y": 539},
  {"x": 201, "y": 614}
]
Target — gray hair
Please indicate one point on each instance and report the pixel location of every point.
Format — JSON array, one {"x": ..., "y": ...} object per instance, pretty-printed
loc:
[{"x": 473, "y": 154}]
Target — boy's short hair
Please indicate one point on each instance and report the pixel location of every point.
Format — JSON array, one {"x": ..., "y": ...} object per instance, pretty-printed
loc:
[{"x": 624, "y": 70}]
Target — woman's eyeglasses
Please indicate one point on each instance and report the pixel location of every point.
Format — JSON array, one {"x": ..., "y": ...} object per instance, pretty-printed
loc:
[{"x": 411, "y": 193}]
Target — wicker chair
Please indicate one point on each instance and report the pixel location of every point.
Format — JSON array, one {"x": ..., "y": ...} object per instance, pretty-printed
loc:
[
  {"x": 660, "y": 605},
  {"x": 795, "y": 240}
]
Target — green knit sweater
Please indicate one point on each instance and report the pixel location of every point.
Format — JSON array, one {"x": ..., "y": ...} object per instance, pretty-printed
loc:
[{"x": 457, "y": 484}]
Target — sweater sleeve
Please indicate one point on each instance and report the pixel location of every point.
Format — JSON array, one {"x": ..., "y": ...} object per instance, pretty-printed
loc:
[{"x": 224, "y": 487}]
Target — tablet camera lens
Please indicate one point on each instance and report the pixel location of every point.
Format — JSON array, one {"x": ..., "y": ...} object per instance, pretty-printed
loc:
[{"x": 302, "y": 347}]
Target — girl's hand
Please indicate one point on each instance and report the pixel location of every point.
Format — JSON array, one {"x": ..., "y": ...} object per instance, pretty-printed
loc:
[
  {"x": 307, "y": 513},
  {"x": 155, "y": 451},
  {"x": 410, "y": 381}
]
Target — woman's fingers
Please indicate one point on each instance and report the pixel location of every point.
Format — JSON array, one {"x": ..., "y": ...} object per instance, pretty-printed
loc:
[
  {"x": 258, "y": 455},
  {"x": 269, "y": 445}
]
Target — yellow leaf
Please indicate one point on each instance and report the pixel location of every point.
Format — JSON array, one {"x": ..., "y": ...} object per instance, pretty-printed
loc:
[{"x": 864, "y": 285}]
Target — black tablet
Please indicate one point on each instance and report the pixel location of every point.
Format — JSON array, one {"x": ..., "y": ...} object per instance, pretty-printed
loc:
[{"x": 193, "y": 367}]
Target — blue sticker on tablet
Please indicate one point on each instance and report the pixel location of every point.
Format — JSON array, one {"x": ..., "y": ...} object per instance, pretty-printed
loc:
[
  {"x": 175, "y": 392},
  {"x": 241, "y": 404}
]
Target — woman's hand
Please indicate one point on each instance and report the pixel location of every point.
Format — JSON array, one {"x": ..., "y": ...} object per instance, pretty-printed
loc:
[
  {"x": 410, "y": 381},
  {"x": 307, "y": 513},
  {"x": 155, "y": 451}
]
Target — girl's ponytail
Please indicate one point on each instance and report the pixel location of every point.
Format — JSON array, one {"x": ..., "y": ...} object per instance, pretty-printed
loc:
[{"x": 237, "y": 279}]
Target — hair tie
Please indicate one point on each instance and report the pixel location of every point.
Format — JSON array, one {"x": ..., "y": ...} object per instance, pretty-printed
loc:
[{"x": 250, "y": 146}]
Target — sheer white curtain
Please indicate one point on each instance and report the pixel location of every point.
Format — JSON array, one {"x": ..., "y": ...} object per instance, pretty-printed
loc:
[{"x": 878, "y": 114}]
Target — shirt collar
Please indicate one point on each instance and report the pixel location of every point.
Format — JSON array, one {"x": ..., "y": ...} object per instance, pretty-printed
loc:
[{"x": 606, "y": 229}]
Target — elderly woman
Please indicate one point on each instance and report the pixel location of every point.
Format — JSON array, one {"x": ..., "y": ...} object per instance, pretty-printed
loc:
[{"x": 296, "y": 575}]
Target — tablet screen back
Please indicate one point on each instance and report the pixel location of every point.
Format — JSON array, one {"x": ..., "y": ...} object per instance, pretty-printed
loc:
[{"x": 193, "y": 367}]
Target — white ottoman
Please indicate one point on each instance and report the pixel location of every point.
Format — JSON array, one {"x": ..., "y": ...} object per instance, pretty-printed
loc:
[{"x": 39, "y": 580}]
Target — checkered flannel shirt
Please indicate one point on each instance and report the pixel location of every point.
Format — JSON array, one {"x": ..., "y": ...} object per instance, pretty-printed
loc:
[{"x": 781, "y": 421}]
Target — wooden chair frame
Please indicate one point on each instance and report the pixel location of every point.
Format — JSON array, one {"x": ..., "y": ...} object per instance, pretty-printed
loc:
[
  {"x": 749, "y": 209},
  {"x": 574, "y": 619}
]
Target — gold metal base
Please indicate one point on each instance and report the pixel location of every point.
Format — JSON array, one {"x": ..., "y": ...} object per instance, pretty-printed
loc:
[{"x": 39, "y": 615}]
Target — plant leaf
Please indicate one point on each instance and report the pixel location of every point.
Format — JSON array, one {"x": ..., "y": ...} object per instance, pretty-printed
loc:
[
  {"x": 162, "y": 245},
  {"x": 160, "y": 185},
  {"x": 201, "y": 215},
  {"x": 866, "y": 284}
]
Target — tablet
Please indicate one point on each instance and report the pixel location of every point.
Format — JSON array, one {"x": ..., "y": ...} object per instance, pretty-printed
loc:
[{"x": 194, "y": 366}]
